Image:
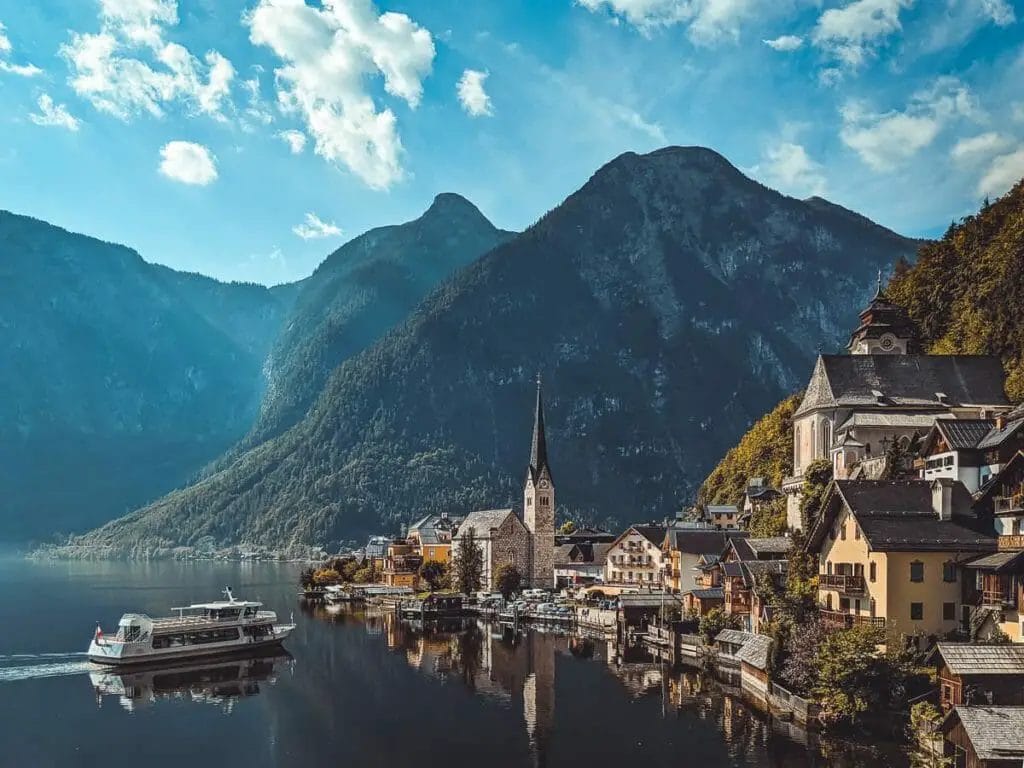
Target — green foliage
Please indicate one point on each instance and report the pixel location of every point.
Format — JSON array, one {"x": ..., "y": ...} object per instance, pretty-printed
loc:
[
  {"x": 766, "y": 450},
  {"x": 965, "y": 291},
  {"x": 469, "y": 564},
  {"x": 509, "y": 580},
  {"x": 715, "y": 620},
  {"x": 768, "y": 519},
  {"x": 817, "y": 476},
  {"x": 363, "y": 576},
  {"x": 326, "y": 576},
  {"x": 435, "y": 573},
  {"x": 927, "y": 745},
  {"x": 567, "y": 528},
  {"x": 799, "y": 670}
]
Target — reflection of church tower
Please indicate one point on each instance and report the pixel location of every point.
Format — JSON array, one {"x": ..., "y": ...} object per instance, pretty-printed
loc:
[
  {"x": 539, "y": 695},
  {"x": 539, "y": 504}
]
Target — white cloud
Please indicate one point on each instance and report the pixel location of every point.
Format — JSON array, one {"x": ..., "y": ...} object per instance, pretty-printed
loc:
[
  {"x": 1000, "y": 11},
  {"x": 188, "y": 163},
  {"x": 785, "y": 43},
  {"x": 884, "y": 140},
  {"x": 22, "y": 70},
  {"x": 981, "y": 146},
  {"x": 128, "y": 68},
  {"x": 788, "y": 168},
  {"x": 313, "y": 227},
  {"x": 327, "y": 56},
  {"x": 472, "y": 96},
  {"x": 54, "y": 115},
  {"x": 707, "y": 21},
  {"x": 853, "y": 33},
  {"x": 1003, "y": 172},
  {"x": 296, "y": 140},
  {"x": 257, "y": 109}
]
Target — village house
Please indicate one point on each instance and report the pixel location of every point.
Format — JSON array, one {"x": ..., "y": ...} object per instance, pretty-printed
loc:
[
  {"x": 759, "y": 494},
  {"x": 724, "y": 517},
  {"x": 984, "y": 737},
  {"x": 431, "y": 537},
  {"x": 580, "y": 563},
  {"x": 585, "y": 535},
  {"x": 979, "y": 674},
  {"x": 884, "y": 391},
  {"x": 890, "y": 554},
  {"x": 636, "y": 557},
  {"x": 402, "y": 564},
  {"x": 683, "y": 548},
  {"x": 743, "y": 563}
]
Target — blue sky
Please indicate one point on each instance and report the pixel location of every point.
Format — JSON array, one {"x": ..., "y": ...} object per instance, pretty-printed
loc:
[{"x": 246, "y": 139}]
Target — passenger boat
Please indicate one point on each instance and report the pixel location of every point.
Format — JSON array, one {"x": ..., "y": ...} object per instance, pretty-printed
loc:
[{"x": 198, "y": 630}]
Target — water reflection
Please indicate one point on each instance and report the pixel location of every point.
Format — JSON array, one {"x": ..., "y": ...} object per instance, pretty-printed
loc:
[{"x": 219, "y": 683}]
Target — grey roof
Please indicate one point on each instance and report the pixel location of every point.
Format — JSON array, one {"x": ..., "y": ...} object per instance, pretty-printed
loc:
[
  {"x": 732, "y": 568},
  {"x": 771, "y": 545},
  {"x": 969, "y": 659},
  {"x": 916, "y": 381},
  {"x": 963, "y": 434},
  {"x": 581, "y": 554},
  {"x": 897, "y": 515},
  {"x": 482, "y": 522},
  {"x": 649, "y": 600},
  {"x": 756, "y": 651},
  {"x": 754, "y": 568},
  {"x": 723, "y": 509},
  {"x": 653, "y": 533},
  {"x": 1009, "y": 562},
  {"x": 995, "y": 732},
  {"x": 875, "y": 419},
  {"x": 734, "y": 636},
  {"x": 708, "y": 593},
  {"x": 697, "y": 542},
  {"x": 996, "y": 436}
]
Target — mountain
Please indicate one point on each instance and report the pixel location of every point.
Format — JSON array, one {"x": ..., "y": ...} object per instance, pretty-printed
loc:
[
  {"x": 669, "y": 302},
  {"x": 964, "y": 293},
  {"x": 357, "y": 294},
  {"x": 119, "y": 379}
]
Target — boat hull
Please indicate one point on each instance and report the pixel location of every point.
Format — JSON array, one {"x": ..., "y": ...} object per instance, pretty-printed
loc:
[{"x": 115, "y": 654}]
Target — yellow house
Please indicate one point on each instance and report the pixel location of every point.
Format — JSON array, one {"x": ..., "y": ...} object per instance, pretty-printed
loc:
[
  {"x": 890, "y": 553},
  {"x": 431, "y": 537}
]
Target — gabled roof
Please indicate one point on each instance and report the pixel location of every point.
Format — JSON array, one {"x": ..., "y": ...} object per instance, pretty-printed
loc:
[
  {"x": 734, "y": 636},
  {"x": 708, "y": 593},
  {"x": 581, "y": 554},
  {"x": 1006, "y": 471},
  {"x": 897, "y": 515},
  {"x": 756, "y": 651},
  {"x": 752, "y": 569},
  {"x": 999, "y": 562},
  {"x": 483, "y": 521},
  {"x": 653, "y": 533},
  {"x": 754, "y": 548},
  {"x": 723, "y": 509},
  {"x": 995, "y": 732},
  {"x": 915, "y": 381},
  {"x": 696, "y": 542},
  {"x": 997, "y": 437},
  {"x": 732, "y": 568},
  {"x": 921, "y": 421},
  {"x": 971, "y": 659}
]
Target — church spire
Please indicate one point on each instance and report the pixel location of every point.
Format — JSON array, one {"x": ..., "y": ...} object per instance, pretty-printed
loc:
[{"x": 539, "y": 447}]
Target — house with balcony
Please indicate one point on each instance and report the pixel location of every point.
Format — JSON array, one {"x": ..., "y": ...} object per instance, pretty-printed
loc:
[
  {"x": 743, "y": 564},
  {"x": 636, "y": 557},
  {"x": 431, "y": 536},
  {"x": 723, "y": 517},
  {"x": 682, "y": 550},
  {"x": 891, "y": 554},
  {"x": 580, "y": 563},
  {"x": 973, "y": 451},
  {"x": 402, "y": 565}
]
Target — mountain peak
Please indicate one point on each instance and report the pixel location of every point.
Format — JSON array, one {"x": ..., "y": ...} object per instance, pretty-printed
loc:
[{"x": 450, "y": 205}]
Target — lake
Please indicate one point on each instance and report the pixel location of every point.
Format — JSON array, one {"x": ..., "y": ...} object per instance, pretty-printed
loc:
[{"x": 355, "y": 688}]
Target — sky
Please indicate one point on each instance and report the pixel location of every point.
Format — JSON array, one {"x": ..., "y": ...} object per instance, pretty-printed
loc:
[{"x": 247, "y": 139}]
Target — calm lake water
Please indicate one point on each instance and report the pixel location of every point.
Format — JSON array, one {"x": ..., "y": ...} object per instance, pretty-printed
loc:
[{"x": 354, "y": 689}]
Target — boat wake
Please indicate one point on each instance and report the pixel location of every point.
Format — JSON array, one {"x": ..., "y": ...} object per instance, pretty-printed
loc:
[{"x": 49, "y": 665}]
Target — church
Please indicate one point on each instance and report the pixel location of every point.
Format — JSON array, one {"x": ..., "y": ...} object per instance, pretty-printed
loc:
[
  {"x": 504, "y": 538},
  {"x": 884, "y": 390}
]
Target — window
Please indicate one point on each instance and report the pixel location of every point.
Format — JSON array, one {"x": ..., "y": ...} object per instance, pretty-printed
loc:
[
  {"x": 872, "y": 571},
  {"x": 916, "y": 611},
  {"x": 917, "y": 571},
  {"x": 529, "y": 501},
  {"x": 545, "y": 501},
  {"x": 842, "y": 531},
  {"x": 856, "y": 531},
  {"x": 949, "y": 611},
  {"x": 949, "y": 571}
]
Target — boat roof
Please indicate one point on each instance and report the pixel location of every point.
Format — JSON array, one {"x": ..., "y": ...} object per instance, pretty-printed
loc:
[{"x": 219, "y": 604}]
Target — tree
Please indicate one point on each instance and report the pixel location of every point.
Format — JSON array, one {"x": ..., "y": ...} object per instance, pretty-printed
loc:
[
  {"x": 768, "y": 519},
  {"x": 469, "y": 564},
  {"x": 715, "y": 620},
  {"x": 326, "y": 576},
  {"x": 567, "y": 528},
  {"x": 306, "y": 578},
  {"x": 435, "y": 573},
  {"x": 927, "y": 749},
  {"x": 800, "y": 668},
  {"x": 817, "y": 476},
  {"x": 363, "y": 575},
  {"x": 509, "y": 580},
  {"x": 853, "y": 678}
]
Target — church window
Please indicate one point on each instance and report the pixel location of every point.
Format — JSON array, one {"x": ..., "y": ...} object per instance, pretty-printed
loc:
[
  {"x": 529, "y": 501},
  {"x": 544, "y": 501}
]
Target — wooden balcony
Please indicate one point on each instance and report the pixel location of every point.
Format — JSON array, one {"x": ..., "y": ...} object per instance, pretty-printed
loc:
[
  {"x": 1010, "y": 543},
  {"x": 997, "y": 598},
  {"x": 1008, "y": 504},
  {"x": 847, "y": 583},
  {"x": 840, "y": 620}
]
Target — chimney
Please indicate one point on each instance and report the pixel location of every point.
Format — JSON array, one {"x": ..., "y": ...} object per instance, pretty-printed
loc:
[
  {"x": 1000, "y": 420},
  {"x": 942, "y": 498}
]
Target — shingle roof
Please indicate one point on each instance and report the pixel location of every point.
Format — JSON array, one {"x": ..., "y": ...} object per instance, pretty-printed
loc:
[
  {"x": 995, "y": 732},
  {"x": 709, "y": 593},
  {"x": 770, "y": 545},
  {"x": 963, "y": 434},
  {"x": 756, "y": 651},
  {"x": 904, "y": 380},
  {"x": 996, "y": 437},
  {"x": 581, "y": 554},
  {"x": 970, "y": 659},
  {"x": 754, "y": 568},
  {"x": 482, "y": 522},
  {"x": 653, "y": 533},
  {"x": 732, "y": 568},
  {"x": 734, "y": 636},
  {"x": 723, "y": 509},
  {"x": 696, "y": 542},
  {"x": 875, "y": 419},
  {"x": 897, "y": 515},
  {"x": 1008, "y": 562}
]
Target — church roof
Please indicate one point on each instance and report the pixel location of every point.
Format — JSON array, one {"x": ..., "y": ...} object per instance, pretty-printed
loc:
[
  {"x": 907, "y": 381},
  {"x": 539, "y": 444},
  {"x": 482, "y": 522}
]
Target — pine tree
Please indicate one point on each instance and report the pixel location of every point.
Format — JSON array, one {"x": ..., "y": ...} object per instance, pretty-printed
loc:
[{"x": 469, "y": 564}]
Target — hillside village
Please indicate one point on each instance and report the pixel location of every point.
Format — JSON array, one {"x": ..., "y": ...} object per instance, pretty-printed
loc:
[{"x": 900, "y": 528}]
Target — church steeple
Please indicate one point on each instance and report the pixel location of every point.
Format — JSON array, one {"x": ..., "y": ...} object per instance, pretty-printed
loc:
[
  {"x": 885, "y": 328},
  {"x": 539, "y": 446}
]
